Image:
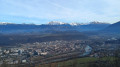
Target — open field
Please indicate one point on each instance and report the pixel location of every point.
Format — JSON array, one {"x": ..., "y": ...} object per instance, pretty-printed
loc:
[{"x": 78, "y": 62}]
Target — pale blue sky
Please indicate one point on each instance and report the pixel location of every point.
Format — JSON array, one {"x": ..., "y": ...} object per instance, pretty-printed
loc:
[{"x": 43, "y": 11}]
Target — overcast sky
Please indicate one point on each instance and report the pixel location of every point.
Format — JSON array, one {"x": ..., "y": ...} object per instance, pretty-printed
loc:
[{"x": 43, "y": 11}]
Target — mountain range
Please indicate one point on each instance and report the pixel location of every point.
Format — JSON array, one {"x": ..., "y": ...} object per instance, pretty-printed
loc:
[{"x": 51, "y": 27}]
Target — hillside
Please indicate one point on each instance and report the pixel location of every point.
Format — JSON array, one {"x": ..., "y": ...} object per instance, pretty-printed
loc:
[{"x": 114, "y": 28}]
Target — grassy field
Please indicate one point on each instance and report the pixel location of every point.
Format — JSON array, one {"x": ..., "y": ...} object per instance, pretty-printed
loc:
[{"x": 78, "y": 62}]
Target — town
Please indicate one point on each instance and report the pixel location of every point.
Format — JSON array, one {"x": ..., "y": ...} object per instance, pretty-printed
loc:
[
  {"x": 59, "y": 49},
  {"x": 23, "y": 52}
]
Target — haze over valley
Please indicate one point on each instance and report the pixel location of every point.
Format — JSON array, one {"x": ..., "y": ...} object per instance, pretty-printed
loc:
[{"x": 59, "y": 33}]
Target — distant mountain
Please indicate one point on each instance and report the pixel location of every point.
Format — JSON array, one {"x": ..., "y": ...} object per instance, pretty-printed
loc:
[
  {"x": 74, "y": 23},
  {"x": 94, "y": 26},
  {"x": 5, "y": 23},
  {"x": 114, "y": 28},
  {"x": 96, "y": 22},
  {"x": 63, "y": 23},
  {"x": 51, "y": 27},
  {"x": 56, "y": 23}
]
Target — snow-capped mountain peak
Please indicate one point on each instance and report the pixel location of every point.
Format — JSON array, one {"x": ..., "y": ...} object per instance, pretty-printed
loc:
[
  {"x": 56, "y": 23},
  {"x": 75, "y": 24},
  {"x": 96, "y": 22},
  {"x": 5, "y": 23}
]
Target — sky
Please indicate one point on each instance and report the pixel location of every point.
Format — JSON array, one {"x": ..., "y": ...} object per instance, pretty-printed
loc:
[{"x": 44, "y": 11}]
